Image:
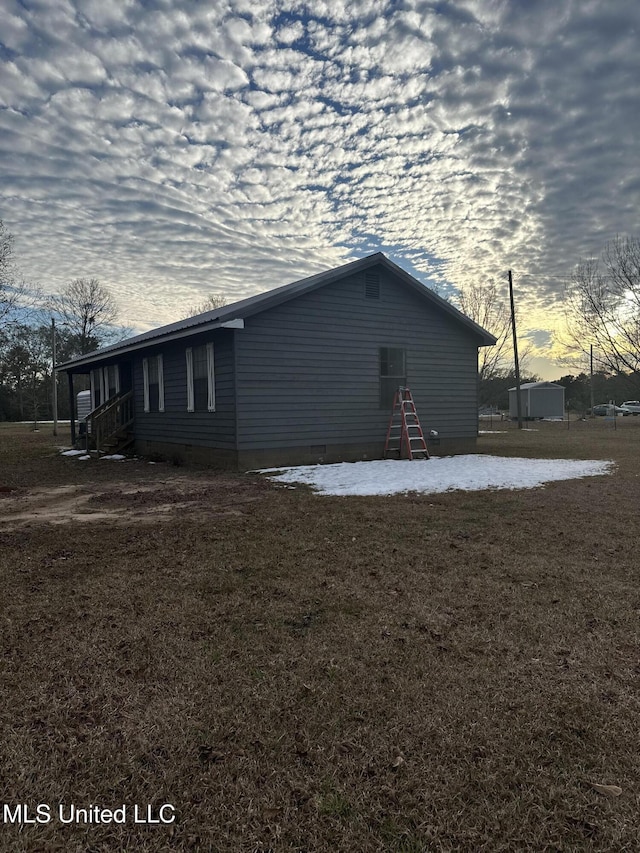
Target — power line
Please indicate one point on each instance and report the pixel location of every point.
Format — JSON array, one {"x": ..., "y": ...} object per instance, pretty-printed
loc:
[{"x": 556, "y": 275}]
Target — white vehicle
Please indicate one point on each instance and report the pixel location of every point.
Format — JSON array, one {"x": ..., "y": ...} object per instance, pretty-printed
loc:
[{"x": 633, "y": 406}]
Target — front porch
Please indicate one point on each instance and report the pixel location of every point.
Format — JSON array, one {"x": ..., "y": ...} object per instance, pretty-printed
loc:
[{"x": 109, "y": 427}]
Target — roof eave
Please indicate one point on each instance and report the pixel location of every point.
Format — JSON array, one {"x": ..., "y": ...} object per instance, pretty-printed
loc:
[
  {"x": 238, "y": 312},
  {"x": 117, "y": 352}
]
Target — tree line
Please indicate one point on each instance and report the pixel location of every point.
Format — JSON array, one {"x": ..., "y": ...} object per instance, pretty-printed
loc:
[
  {"x": 601, "y": 302},
  {"x": 494, "y": 390},
  {"x": 85, "y": 320},
  {"x": 85, "y": 317}
]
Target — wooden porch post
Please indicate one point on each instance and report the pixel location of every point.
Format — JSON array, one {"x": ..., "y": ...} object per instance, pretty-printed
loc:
[{"x": 72, "y": 407}]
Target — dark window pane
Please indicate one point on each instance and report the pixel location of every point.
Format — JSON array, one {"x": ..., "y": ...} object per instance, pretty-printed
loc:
[
  {"x": 200, "y": 362},
  {"x": 154, "y": 383},
  {"x": 200, "y": 379},
  {"x": 388, "y": 388},
  {"x": 112, "y": 380},
  {"x": 96, "y": 388},
  {"x": 152, "y": 364},
  {"x": 200, "y": 394},
  {"x": 392, "y": 361},
  {"x": 393, "y": 373},
  {"x": 154, "y": 397}
]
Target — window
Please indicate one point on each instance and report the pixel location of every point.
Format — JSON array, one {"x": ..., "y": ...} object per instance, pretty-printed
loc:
[
  {"x": 153, "y": 378},
  {"x": 105, "y": 383},
  {"x": 200, "y": 380},
  {"x": 393, "y": 373},
  {"x": 112, "y": 380},
  {"x": 201, "y": 387},
  {"x": 96, "y": 388}
]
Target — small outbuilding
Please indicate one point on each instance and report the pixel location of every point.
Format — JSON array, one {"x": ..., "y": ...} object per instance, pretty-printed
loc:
[{"x": 537, "y": 400}]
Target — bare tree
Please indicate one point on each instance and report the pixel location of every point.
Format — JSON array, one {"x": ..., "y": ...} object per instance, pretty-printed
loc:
[
  {"x": 213, "y": 301},
  {"x": 89, "y": 312},
  {"x": 14, "y": 293},
  {"x": 488, "y": 308},
  {"x": 6, "y": 254},
  {"x": 602, "y": 300}
]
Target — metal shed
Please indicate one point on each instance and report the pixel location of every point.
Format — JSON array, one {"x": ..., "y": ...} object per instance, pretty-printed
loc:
[{"x": 538, "y": 400}]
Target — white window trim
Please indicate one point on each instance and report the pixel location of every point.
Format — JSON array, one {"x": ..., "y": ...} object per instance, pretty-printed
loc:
[
  {"x": 190, "y": 398},
  {"x": 160, "y": 384},
  {"x": 145, "y": 382},
  {"x": 211, "y": 379}
]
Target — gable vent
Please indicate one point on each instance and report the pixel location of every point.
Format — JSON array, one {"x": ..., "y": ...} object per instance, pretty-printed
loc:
[{"x": 371, "y": 285}]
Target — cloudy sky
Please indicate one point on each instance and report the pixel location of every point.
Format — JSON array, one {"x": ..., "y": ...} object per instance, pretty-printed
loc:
[{"x": 172, "y": 149}]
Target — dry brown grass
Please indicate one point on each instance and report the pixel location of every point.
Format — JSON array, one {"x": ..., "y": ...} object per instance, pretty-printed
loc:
[{"x": 434, "y": 673}]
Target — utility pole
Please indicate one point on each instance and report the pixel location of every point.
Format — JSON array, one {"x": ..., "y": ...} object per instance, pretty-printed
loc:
[
  {"x": 515, "y": 352},
  {"x": 591, "y": 369},
  {"x": 54, "y": 387}
]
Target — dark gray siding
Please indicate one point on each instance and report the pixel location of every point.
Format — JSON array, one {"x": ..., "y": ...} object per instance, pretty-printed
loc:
[
  {"x": 307, "y": 371},
  {"x": 175, "y": 425}
]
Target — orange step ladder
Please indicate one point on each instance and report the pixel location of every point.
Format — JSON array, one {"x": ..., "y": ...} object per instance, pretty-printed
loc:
[{"x": 405, "y": 433}]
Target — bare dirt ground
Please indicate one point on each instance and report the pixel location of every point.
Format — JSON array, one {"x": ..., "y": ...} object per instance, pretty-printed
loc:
[{"x": 121, "y": 503}]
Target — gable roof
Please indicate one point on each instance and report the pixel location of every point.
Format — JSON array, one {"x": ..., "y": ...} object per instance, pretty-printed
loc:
[
  {"x": 232, "y": 316},
  {"x": 527, "y": 386}
]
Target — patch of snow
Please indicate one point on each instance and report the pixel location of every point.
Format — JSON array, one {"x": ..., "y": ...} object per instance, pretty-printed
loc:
[
  {"x": 72, "y": 453},
  {"x": 491, "y": 431},
  {"x": 472, "y": 472},
  {"x": 82, "y": 458},
  {"x": 114, "y": 457}
]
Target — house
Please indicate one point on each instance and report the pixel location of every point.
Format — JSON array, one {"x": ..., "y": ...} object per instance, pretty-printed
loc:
[
  {"x": 537, "y": 400},
  {"x": 303, "y": 373}
]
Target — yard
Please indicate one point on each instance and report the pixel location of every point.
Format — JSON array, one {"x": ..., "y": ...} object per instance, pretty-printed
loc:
[{"x": 294, "y": 672}]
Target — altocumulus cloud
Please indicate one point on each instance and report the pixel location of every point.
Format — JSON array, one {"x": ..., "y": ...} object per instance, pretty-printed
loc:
[{"x": 176, "y": 148}]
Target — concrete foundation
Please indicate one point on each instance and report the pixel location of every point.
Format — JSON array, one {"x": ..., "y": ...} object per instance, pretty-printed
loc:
[{"x": 247, "y": 460}]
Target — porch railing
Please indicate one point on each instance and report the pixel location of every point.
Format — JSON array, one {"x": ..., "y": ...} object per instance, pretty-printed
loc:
[{"x": 109, "y": 424}]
